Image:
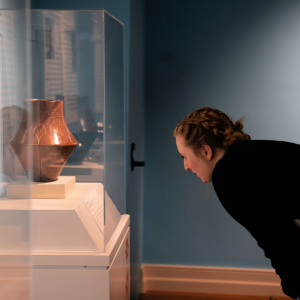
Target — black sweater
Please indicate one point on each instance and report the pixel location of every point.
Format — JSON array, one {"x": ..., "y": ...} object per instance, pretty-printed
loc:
[{"x": 258, "y": 183}]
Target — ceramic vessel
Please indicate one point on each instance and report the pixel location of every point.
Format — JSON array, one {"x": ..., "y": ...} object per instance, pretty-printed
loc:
[
  {"x": 85, "y": 132},
  {"x": 43, "y": 142},
  {"x": 85, "y": 136}
]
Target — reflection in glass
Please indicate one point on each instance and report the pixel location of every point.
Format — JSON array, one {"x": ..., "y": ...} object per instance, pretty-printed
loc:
[
  {"x": 10, "y": 121},
  {"x": 14, "y": 220}
]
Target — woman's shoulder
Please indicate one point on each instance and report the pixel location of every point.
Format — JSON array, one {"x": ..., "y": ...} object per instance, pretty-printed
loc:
[
  {"x": 258, "y": 147},
  {"x": 253, "y": 155},
  {"x": 264, "y": 143},
  {"x": 257, "y": 171}
]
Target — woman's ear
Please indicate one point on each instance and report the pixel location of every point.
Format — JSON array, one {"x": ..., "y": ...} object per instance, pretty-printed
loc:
[{"x": 208, "y": 151}]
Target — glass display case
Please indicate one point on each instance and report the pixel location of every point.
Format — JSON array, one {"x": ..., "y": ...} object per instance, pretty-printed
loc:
[{"x": 62, "y": 170}]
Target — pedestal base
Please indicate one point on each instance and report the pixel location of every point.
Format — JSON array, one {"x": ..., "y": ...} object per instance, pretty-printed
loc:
[{"x": 25, "y": 189}]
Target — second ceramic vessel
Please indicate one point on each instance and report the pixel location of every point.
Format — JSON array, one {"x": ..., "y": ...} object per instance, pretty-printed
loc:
[
  {"x": 43, "y": 142},
  {"x": 85, "y": 131}
]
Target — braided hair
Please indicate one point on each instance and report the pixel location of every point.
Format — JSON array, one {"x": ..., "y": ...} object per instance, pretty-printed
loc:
[{"x": 212, "y": 127}]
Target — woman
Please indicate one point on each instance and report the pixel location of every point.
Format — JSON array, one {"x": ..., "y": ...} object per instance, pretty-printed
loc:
[{"x": 255, "y": 180}]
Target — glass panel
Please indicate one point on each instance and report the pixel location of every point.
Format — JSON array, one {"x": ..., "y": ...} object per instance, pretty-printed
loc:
[
  {"x": 14, "y": 213},
  {"x": 68, "y": 70},
  {"x": 114, "y": 138},
  {"x": 62, "y": 165},
  {"x": 78, "y": 58}
]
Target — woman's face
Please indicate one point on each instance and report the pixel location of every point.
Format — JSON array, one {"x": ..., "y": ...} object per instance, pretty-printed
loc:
[{"x": 197, "y": 165}]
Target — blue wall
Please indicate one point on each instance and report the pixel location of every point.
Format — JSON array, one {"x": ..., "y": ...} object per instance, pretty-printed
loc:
[{"x": 241, "y": 57}]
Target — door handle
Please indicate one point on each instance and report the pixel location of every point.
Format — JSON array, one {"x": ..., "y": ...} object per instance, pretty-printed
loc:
[{"x": 133, "y": 162}]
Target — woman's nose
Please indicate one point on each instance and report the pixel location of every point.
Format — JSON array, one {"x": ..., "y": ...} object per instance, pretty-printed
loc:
[{"x": 186, "y": 167}]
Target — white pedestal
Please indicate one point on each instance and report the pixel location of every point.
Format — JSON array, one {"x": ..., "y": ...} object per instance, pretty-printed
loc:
[
  {"x": 91, "y": 282},
  {"x": 64, "y": 256},
  {"x": 72, "y": 224},
  {"x": 25, "y": 189},
  {"x": 70, "y": 275}
]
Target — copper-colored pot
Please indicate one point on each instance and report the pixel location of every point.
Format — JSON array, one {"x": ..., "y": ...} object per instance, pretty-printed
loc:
[{"x": 43, "y": 142}]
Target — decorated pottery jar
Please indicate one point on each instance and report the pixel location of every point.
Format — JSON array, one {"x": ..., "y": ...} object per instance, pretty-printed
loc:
[{"x": 43, "y": 142}]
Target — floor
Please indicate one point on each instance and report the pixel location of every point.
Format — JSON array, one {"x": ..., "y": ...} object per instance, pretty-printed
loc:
[{"x": 178, "y": 296}]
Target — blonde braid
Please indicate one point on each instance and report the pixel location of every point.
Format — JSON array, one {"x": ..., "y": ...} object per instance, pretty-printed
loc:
[{"x": 210, "y": 126}]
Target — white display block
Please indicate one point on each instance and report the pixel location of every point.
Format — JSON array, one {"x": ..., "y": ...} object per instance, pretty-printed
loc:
[
  {"x": 72, "y": 224},
  {"x": 63, "y": 187}
]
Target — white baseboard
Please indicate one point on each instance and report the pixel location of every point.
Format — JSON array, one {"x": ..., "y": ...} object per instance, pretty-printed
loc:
[{"x": 211, "y": 280}]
